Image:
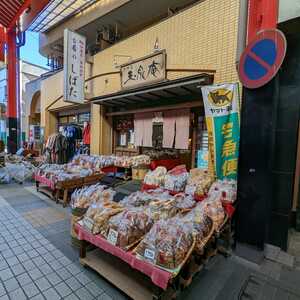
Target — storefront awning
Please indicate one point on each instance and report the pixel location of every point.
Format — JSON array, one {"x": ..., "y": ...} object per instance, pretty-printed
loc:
[{"x": 187, "y": 88}]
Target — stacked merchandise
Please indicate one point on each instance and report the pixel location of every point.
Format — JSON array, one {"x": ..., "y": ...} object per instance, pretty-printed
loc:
[
  {"x": 82, "y": 198},
  {"x": 57, "y": 173},
  {"x": 102, "y": 161},
  {"x": 164, "y": 229},
  {"x": 17, "y": 168}
]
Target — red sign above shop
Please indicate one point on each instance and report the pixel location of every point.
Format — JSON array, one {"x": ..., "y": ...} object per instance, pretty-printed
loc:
[{"x": 262, "y": 58}]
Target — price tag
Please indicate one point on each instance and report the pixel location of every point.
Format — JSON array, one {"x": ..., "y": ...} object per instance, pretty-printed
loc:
[
  {"x": 150, "y": 254},
  {"x": 88, "y": 223},
  {"x": 112, "y": 236}
]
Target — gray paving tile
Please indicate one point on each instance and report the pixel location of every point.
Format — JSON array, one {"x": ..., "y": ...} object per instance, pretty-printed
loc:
[
  {"x": 63, "y": 289},
  {"x": 71, "y": 297},
  {"x": 56, "y": 265},
  {"x": 32, "y": 253},
  {"x": 27, "y": 247},
  {"x": 23, "y": 257},
  {"x": 50, "y": 247},
  {"x": 64, "y": 273},
  {"x": 43, "y": 284},
  {"x": 17, "y": 269},
  {"x": 84, "y": 294},
  {"x": 17, "y": 295},
  {"x": 12, "y": 261},
  {"x": 73, "y": 283},
  {"x": 38, "y": 297},
  {"x": 39, "y": 261},
  {"x": 46, "y": 269},
  {"x": 28, "y": 265},
  {"x": 30, "y": 290},
  {"x": 11, "y": 284},
  {"x": 3, "y": 265},
  {"x": 18, "y": 250},
  {"x": 24, "y": 279},
  {"x": 35, "y": 274},
  {"x": 83, "y": 279},
  {"x": 73, "y": 269},
  {"x": 7, "y": 253},
  {"x": 51, "y": 294},
  {"x": 6, "y": 274},
  {"x": 41, "y": 250},
  {"x": 13, "y": 244},
  {"x": 64, "y": 261},
  {"x": 54, "y": 278},
  {"x": 94, "y": 289},
  {"x": 2, "y": 290},
  {"x": 104, "y": 296},
  {"x": 49, "y": 257}
]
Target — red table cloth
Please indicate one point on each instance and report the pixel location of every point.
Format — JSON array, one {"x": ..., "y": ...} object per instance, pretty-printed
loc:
[
  {"x": 158, "y": 276},
  {"x": 45, "y": 181}
]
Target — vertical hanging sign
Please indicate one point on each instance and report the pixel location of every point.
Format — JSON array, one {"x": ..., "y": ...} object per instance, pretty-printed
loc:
[
  {"x": 74, "y": 64},
  {"x": 222, "y": 112}
]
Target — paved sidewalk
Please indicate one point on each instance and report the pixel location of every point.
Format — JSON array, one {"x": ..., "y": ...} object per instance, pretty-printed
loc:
[{"x": 31, "y": 267}]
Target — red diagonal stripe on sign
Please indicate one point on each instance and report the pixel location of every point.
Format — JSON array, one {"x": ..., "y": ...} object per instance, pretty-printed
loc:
[{"x": 260, "y": 61}]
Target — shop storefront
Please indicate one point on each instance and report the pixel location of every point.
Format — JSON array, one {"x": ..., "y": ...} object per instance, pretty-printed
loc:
[{"x": 153, "y": 116}]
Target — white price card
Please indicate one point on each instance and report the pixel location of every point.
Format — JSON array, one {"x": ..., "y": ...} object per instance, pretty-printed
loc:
[
  {"x": 149, "y": 254},
  {"x": 88, "y": 223},
  {"x": 112, "y": 236}
]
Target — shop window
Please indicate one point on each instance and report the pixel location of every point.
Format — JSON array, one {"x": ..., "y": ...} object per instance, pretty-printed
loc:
[
  {"x": 63, "y": 120},
  {"x": 73, "y": 119},
  {"x": 124, "y": 133},
  {"x": 85, "y": 117}
]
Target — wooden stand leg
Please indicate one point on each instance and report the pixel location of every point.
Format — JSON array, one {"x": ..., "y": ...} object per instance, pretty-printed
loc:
[
  {"x": 57, "y": 196},
  {"x": 37, "y": 184},
  {"x": 83, "y": 246},
  {"x": 65, "y": 199}
]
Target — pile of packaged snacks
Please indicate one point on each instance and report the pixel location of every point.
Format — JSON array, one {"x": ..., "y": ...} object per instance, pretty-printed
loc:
[
  {"x": 129, "y": 226},
  {"x": 69, "y": 171},
  {"x": 212, "y": 206},
  {"x": 82, "y": 198},
  {"x": 101, "y": 161},
  {"x": 202, "y": 226},
  {"x": 96, "y": 162},
  {"x": 184, "y": 202},
  {"x": 144, "y": 198},
  {"x": 176, "y": 183},
  {"x": 132, "y": 161},
  {"x": 167, "y": 243},
  {"x": 199, "y": 182},
  {"x": 98, "y": 215},
  {"x": 227, "y": 188},
  {"x": 156, "y": 177}
]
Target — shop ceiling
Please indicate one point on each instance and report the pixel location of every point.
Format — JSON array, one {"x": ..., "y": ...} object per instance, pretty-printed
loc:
[
  {"x": 170, "y": 92},
  {"x": 10, "y": 11}
]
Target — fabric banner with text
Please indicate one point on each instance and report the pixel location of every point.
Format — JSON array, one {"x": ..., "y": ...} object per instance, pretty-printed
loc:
[{"x": 222, "y": 112}]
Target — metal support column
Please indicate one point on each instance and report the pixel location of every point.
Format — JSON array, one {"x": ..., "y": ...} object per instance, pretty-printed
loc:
[{"x": 12, "y": 111}]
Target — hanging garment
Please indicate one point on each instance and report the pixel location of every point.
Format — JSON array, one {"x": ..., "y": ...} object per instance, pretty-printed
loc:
[
  {"x": 169, "y": 128},
  {"x": 182, "y": 129},
  {"x": 86, "y": 134}
]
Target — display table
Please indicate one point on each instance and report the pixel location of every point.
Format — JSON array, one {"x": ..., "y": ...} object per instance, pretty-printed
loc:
[
  {"x": 158, "y": 276},
  {"x": 60, "y": 190}
]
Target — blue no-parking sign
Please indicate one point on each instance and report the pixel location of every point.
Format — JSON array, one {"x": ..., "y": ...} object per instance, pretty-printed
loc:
[{"x": 262, "y": 58}]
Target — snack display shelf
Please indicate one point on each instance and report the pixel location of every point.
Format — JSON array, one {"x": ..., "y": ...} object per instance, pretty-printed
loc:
[{"x": 60, "y": 191}]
